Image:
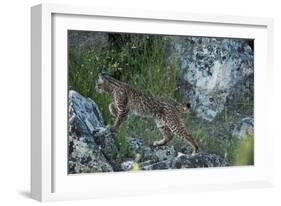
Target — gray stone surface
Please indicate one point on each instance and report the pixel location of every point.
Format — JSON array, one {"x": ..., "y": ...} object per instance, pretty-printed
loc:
[
  {"x": 84, "y": 40},
  {"x": 86, "y": 158},
  {"x": 84, "y": 112},
  {"x": 92, "y": 147},
  {"x": 127, "y": 165},
  {"x": 166, "y": 157},
  {"x": 243, "y": 128},
  {"x": 213, "y": 71},
  {"x": 84, "y": 155},
  {"x": 199, "y": 160}
]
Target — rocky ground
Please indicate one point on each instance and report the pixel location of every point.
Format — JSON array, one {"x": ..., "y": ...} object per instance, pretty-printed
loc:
[
  {"x": 92, "y": 147},
  {"x": 215, "y": 79}
]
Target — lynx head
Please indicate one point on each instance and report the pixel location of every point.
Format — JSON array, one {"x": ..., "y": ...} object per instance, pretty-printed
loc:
[{"x": 102, "y": 84}]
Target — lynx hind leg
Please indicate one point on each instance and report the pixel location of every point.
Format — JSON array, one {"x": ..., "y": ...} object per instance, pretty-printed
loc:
[
  {"x": 167, "y": 136},
  {"x": 177, "y": 128},
  {"x": 186, "y": 135},
  {"x": 112, "y": 109}
]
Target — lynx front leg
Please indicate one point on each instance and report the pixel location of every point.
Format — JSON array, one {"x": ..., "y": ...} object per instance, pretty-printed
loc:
[
  {"x": 121, "y": 116},
  {"x": 112, "y": 109},
  {"x": 120, "y": 106},
  {"x": 167, "y": 136}
]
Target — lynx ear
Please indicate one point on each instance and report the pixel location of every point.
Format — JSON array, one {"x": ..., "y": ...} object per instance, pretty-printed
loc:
[
  {"x": 100, "y": 75},
  {"x": 100, "y": 78},
  {"x": 104, "y": 75}
]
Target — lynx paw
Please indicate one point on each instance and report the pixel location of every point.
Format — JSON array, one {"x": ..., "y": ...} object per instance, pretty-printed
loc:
[
  {"x": 154, "y": 144},
  {"x": 195, "y": 151},
  {"x": 112, "y": 129},
  {"x": 157, "y": 143}
]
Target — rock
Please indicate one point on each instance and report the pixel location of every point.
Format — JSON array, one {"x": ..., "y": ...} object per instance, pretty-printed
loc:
[
  {"x": 165, "y": 152},
  {"x": 137, "y": 147},
  {"x": 166, "y": 157},
  {"x": 84, "y": 114},
  {"x": 126, "y": 166},
  {"x": 157, "y": 166},
  {"x": 197, "y": 161},
  {"x": 85, "y": 155},
  {"x": 211, "y": 71},
  {"x": 86, "y": 158},
  {"x": 243, "y": 128},
  {"x": 106, "y": 140},
  {"x": 92, "y": 147},
  {"x": 84, "y": 40},
  {"x": 242, "y": 94},
  {"x": 185, "y": 149}
]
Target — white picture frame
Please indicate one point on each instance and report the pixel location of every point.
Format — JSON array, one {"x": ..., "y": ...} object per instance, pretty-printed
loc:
[{"x": 49, "y": 179}]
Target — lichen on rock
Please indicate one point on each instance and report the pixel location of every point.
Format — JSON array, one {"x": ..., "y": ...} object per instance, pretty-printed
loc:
[
  {"x": 212, "y": 71},
  {"x": 92, "y": 147},
  {"x": 243, "y": 128}
]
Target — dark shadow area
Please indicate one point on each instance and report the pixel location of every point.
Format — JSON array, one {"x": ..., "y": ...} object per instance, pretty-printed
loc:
[{"x": 25, "y": 193}]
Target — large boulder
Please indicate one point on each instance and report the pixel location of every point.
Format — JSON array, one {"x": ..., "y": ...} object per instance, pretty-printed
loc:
[
  {"x": 106, "y": 141},
  {"x": 84, "y": 40},
  {"x": 199, "y": 160},
  {"x": 213, "y": 71},
  {"x": 85, "y": 157},
  {"x": 243, "y": 128},
  {"x": 166, "y": 157},
  {"x": 84, "y": 114},
  {"x": 145, "y": 152},
  {"x": 92, "y": 147},
  {"x": 84, "y": 154}
]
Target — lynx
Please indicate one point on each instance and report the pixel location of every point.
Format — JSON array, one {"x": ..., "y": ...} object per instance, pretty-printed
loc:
[{"x": 128, "y": 99}]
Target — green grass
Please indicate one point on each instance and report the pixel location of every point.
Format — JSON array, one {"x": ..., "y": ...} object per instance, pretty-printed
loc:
[
  {"x": 245, "y": 151},
  {"x": 140, "y": 61},
  {"x": 83, "y": 71}
]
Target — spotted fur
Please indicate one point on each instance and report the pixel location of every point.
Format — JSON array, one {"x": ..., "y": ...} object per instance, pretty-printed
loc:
[{"x": 128, "y": 99}]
